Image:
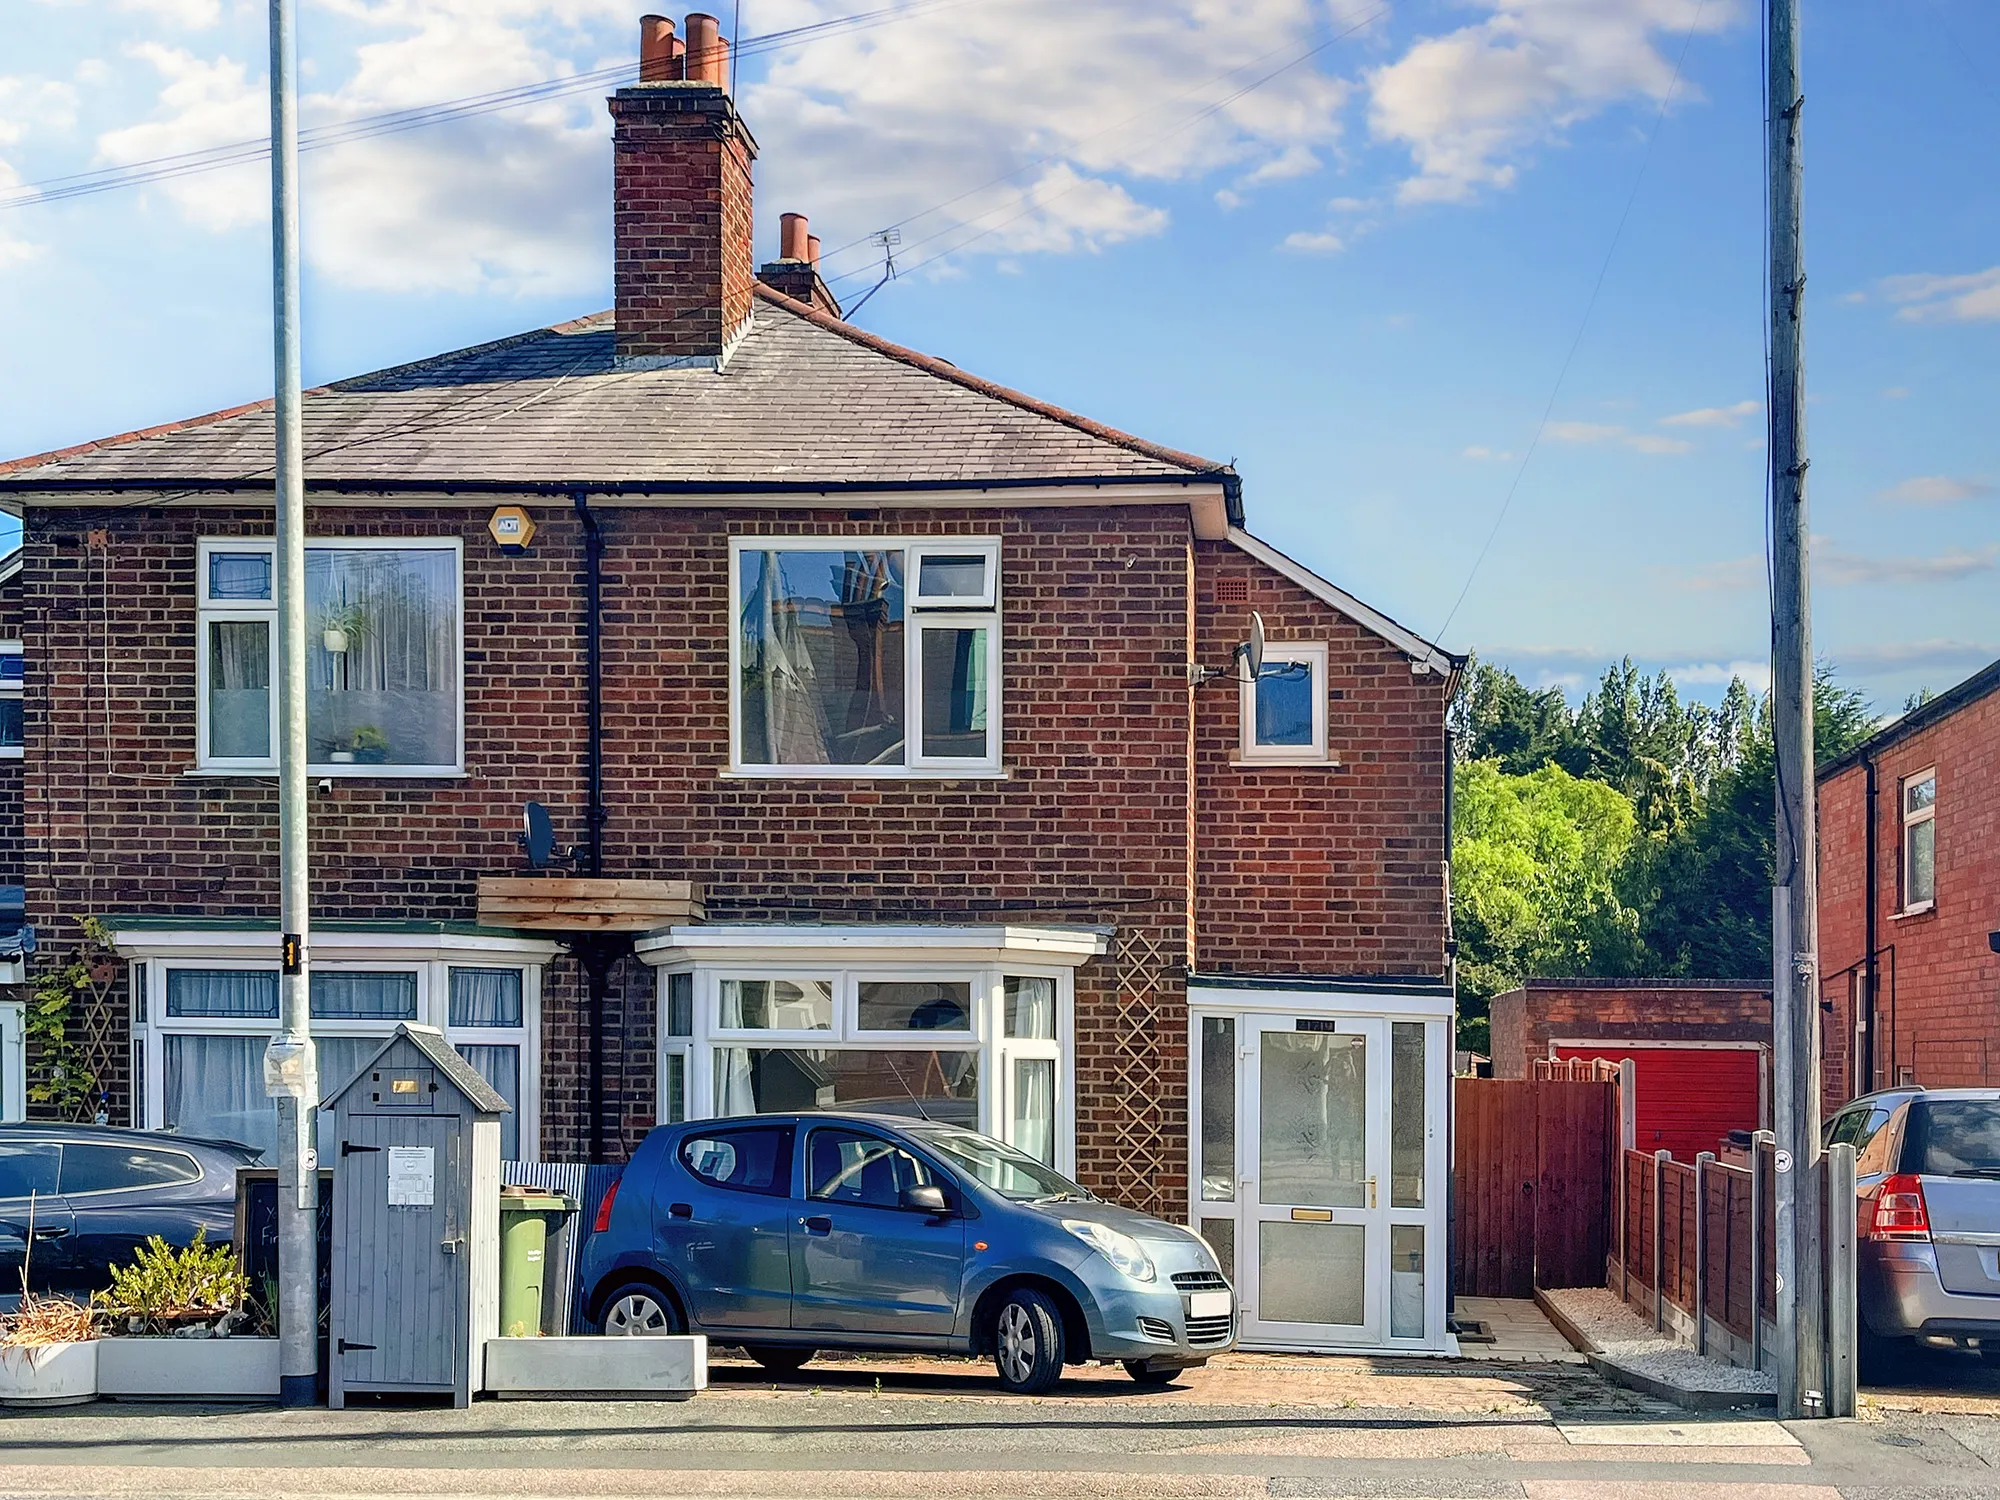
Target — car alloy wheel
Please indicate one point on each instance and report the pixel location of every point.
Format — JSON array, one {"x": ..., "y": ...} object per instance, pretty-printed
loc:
[
  {"x": 1028, "y": 1343},
  {"x": 637, "y": 1312}
]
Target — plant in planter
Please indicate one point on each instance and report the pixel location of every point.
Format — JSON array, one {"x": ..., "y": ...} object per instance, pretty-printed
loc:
[
  {"x": 48, "y": 1352},
  {"x": 370, "y": 744},
  {"x": 341, "y": 626},
  {"x": 182, "y": 1315}
]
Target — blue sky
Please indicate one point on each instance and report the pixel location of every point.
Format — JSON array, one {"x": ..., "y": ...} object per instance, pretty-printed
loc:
[{"x": 1358, "y": 278}]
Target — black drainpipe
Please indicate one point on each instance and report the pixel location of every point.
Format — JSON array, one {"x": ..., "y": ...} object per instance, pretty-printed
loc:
[
  {"x": 1870, "y": 971},
  {"x": 595, "y": 953}
]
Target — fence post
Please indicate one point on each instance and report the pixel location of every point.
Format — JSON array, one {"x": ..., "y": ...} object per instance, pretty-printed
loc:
[
  {"x": 1628, "y": 1134},
  {"x": 1701, "y": 1166},
  {"x": 1759, "y": 1186},
  {"x": 1660, "y": 1160},
  {"x": 1842, "y": 1288}
]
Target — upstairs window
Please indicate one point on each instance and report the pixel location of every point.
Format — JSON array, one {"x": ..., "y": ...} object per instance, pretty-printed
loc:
[
  {"x": 384, "y": 657},
  {"x": 1920, "y": 841},
  {"x": 1284, "y": 710},
  {"x": 859, "y": 657},
  {"x": 12, "y": 666}
]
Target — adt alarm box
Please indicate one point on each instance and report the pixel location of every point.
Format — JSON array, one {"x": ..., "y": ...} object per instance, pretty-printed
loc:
[{"x": 416, "y": 1222}]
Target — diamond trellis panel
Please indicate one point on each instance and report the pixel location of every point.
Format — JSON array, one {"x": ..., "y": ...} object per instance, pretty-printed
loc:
[{"x": 1140, "y": 1130}]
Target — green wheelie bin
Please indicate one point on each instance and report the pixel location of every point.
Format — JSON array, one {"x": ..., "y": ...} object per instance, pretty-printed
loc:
[{"x": 528, "y": 1222}]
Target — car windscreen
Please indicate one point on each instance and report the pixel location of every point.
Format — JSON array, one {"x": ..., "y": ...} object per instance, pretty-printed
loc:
[
  {"x": 1954, "y": 1138},
  {"x": 1011, "y": 1173}
]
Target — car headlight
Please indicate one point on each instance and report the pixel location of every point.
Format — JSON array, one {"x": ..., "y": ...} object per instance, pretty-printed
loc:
[{"x": 1120, "y": 1249}]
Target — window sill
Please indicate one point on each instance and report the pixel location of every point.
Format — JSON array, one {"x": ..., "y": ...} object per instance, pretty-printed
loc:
[
  {"x": 1253, "y": 762},
  {"x": 13, "y": 752},
  {"x": 863, "y": 773},
  {"x": 343, "y": 772},
  {"x": 1921, "y": 909}
]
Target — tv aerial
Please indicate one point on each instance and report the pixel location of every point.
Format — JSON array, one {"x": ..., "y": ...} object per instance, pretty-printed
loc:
[
  {"x": 537, "y": 835},
  {"x": 1248, "y": 658}
]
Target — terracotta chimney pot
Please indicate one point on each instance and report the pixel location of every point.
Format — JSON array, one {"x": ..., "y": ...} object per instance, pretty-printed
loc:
[
  {"x": 707, "y": 53},
  {"x": 793, "y": 241},
  {"x": 812, "y": 250},
  {"x": 659, "y": 50}
]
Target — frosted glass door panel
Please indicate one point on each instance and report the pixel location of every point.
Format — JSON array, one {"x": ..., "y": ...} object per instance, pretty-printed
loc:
[
  {"x": 1311, "y": 1273},
  {"x": 1313, "y": 1119}
]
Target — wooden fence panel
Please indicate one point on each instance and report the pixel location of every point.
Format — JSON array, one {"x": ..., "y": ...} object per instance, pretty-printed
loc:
[
  {"x": 1639, "y": 1209},
  {"x": 1576, "y": 1127},
  {"x": 1768, "y": 1271},
  {"x": 1495, "y": 1178}
]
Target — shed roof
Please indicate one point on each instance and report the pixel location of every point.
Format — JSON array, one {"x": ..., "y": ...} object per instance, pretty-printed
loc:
[{"x": 428, "y": 1040}]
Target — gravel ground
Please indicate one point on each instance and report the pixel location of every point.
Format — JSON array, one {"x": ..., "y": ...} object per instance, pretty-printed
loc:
[{"x": 1621, "y": 1334}]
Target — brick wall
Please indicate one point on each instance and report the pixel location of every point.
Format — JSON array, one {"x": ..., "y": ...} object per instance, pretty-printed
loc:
[
  {"x": 1094, "y": 822},
  {"x": 1347, "y": 860},
  {"x": 1677, "y": 1010},
  {"x": 12, "y": 855},
  {"x": 1937, "y": 1011}
]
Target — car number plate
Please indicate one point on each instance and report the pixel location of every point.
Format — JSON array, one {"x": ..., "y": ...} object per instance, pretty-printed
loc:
[{"x": 1208, "y": 1304}]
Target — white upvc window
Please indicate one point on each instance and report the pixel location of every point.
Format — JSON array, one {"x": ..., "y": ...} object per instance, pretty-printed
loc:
[
  {"x": 13, "y": 740},
  {"x": 864, "y": 656},
  {"x": 1283, "y": 711},
  {"x": 385, "y": 656},
  {"x": 203, "y": 1020},
  {"x": 1919, "y": 804},
  {"x": 983, "y": 1047}
]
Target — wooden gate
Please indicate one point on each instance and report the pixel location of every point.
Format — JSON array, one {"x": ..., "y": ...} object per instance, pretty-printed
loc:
[{"x": 1533, "y": 1183}]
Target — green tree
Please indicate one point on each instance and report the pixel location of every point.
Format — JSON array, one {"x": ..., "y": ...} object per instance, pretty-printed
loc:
[{"x": 1534, "y": 882}]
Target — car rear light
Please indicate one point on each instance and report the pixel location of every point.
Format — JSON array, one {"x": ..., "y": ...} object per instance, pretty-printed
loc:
[
  {"x": 1900, "y": 1213},
  {"x": 611, "y": 1196}
]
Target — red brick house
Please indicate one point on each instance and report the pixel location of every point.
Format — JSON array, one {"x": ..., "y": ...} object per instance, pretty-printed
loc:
[
  {"x": 1700, "y": 1049},
  {"x": 13, "y": 966},
  {"x": 1909, "y": 891},
  {"x": 903, "y": 702}
]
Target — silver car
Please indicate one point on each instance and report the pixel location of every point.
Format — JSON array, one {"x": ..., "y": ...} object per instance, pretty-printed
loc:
[
  {"x": 788, "y": 1234},
  {"x": 1927, "y": 1175}
]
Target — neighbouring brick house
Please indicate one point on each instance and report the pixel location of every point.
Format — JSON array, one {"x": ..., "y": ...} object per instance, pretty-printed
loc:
[
  {"x": 925, "y": 769},
  {"x": 1700, "y": 1049},
  {"x": 13, "y": 1048},
  {"x": 1909, "y": 899}
]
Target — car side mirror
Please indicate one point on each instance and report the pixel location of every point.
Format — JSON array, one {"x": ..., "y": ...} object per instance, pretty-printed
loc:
[{"x": 928, "y": 1199}]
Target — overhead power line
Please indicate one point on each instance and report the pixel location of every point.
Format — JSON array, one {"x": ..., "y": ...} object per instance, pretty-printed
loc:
[{"x": 394, "y": 122}]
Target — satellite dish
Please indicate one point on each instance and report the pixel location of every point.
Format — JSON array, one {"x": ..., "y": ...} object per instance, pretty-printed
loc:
[
  {"x": 538, "y": 835},
  {"x": 1250, "y": 655}
]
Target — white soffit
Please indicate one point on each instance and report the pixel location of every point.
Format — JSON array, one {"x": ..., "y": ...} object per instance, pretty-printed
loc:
[
  {"x": 398, "y": 947},
  {"x": 1423, "y": 655},
  {"x": 1061, "y": 947}
]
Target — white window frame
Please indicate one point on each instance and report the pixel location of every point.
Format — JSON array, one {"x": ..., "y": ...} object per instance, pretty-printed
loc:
[
  {"x": 1313, "y": 656},
  {"x": 13, "y": 1062},
  {"x": 225, "y": 610},
  {"x": 1911, "y": 820},
  {"x": 997, "y": 1051},
  {"x": 13, "y": 691},
  {"x": 917, "y": 615},
  {"x": 430, "y": 959}
]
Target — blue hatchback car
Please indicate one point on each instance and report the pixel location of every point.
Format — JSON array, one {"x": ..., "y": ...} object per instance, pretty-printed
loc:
[{"x": 788, "y": 1234}]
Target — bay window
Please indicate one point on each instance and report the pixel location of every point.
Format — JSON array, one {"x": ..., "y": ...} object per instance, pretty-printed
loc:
[
  {"x": 384, "y": 656},
  {"x": 865, "y": 657},
  {"x": 981, "y": 1043}
]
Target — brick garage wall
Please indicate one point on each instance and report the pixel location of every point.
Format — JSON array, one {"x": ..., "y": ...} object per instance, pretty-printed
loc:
[
  {"x": 1937, "y": 1013},
  {"x": 1091, "y": 824},
  {"x": 1662, "y": 1010},
  {"x": 1346, "y": 862}
]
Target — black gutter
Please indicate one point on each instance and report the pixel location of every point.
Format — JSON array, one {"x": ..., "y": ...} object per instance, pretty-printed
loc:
[{"x": 594, "y": 952}]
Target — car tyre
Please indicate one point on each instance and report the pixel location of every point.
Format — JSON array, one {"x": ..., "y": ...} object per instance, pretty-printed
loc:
[
  {"x": 779, "y": 1359},
  {"x": 639, "y": 1309},
  {"x": 1144, "y": 1375},
  {"x": 1028, "y": 1344}
]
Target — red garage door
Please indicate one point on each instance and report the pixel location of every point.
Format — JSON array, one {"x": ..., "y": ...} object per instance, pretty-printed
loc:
[{"x": 1688, "y": 1097}]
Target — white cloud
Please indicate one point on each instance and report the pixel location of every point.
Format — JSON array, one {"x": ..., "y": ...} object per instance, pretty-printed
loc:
[
  {"x": 1725, "y": 575},
  {"x": 189, "y": 15},
  {"x": 1833, "y": 566},
  {"x": 1756, "y": 675},
  {"x": 1895, "y": 392},
  {"x": 1939, "y": 653},
  {"x": 1311, "y": 242},
  {"x": 28, "y": 106},
  {"x": 1488, "y": 455},
  {"x": 1590, "y": 434},
  {"x": 1714, "y": 416},
  {"x": 202, "y": 103},
  {"x": 1936, "y": 489},
  {"x": 1970, "y": 298},
  {"x": 1469, "y": 105}
]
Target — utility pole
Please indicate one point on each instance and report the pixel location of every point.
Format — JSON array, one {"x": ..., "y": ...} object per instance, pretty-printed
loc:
[
  {"x": 1801, "y": 1297},
  {"x": 291, "y": 1070}
]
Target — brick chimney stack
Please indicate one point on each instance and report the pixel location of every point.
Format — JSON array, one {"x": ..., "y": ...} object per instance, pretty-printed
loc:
[
  {"x": 796, "y": 270},
  {"x": 681, "y": 208}
]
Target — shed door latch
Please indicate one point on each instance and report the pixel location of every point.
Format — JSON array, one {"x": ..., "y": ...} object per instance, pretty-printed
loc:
[
  {"x": 347, "y": 1348},
  {"x": 348, "y": 1148}
]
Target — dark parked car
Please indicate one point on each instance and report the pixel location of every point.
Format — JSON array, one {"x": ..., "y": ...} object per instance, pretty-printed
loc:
[
  {"x": 1927, "y": 1174},
  {"x": 788, "y": 1234},
  {"x": 87, "y": 1196}
]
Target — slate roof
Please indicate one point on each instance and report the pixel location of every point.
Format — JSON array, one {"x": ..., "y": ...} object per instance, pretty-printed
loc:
[{"x": 804, "y": 401}]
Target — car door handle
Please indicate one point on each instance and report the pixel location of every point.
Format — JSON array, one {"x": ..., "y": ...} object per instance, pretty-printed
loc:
[
  {"x": 818, "y": 1224},
  {"x": 50, "y": 1231},
  {"x": 680, "y": 1211}
]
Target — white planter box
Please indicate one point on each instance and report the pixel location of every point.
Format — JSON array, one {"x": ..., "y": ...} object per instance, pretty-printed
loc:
[
  {"x": 670, "y": 1367},
  {"x": 168, "y": 1369},
  {"x": 52, "y": 1375}
]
